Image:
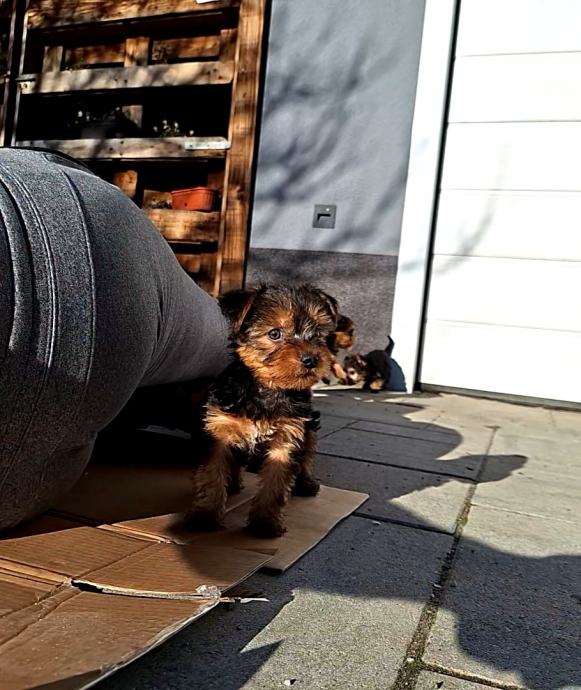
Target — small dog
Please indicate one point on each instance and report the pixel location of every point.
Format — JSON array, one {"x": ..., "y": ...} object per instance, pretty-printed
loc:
[
  {"x": 374, "y": 368},
  {"x": 261, "y": 404},
  {"x": 342, "y": 338}
]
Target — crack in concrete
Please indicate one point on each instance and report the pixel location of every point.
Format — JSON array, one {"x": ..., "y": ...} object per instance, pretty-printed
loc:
[{"x": 413, "y": 663}]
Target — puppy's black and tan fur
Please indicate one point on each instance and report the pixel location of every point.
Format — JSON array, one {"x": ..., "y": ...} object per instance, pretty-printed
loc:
[{"x": 261, "y": 404}]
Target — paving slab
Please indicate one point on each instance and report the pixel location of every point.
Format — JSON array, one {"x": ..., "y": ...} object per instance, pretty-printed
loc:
[
  {"x": 555, "y": 453},
  {"x": 341, "y": 618},
  {"x": 426, "y": 432},
  {"x": 511, "y": 613},
  {"x": 534, "y": 492},
  {"x": 460, "y": 458},
  {"x": 331, "y": 423},
  {"x": 438, "y": 681},
  {"x": 548, "y": 483},
  {"x": 567, "y": 422},
  {"x": 420, "y": 499},
  {"x": 375, "y": 407}
]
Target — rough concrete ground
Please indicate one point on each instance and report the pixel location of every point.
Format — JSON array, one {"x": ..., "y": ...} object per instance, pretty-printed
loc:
[{"x": 462, "y": 571}]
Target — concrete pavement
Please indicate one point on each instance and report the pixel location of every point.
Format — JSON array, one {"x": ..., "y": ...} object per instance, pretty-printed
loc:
[{"x": 462, "y": 571}]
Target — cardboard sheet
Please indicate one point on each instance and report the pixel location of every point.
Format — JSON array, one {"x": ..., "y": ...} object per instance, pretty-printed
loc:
[{"x": 112, "y": 571}]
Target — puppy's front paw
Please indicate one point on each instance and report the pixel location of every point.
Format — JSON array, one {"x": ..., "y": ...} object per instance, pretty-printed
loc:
[
  {"x": 266, "y": 528},
  {"x": 306, "y": 487},
  {"x": 203, "y": 521}
]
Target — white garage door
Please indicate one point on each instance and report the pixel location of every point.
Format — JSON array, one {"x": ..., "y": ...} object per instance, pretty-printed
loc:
[{"x": 504, "y": 302}]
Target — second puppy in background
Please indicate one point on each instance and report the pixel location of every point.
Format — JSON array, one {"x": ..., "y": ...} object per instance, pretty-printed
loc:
[
  {"x": 261, "y": 403},
  {"x": 342, "y": 338}
]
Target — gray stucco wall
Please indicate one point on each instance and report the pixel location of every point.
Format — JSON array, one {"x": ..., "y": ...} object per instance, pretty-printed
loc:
[{"x": 338, "y": 106}]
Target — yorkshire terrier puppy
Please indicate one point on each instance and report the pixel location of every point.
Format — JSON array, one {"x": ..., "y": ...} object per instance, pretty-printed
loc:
[
  {"x": 374, "y": 368},
  {"x": 261, "y": 404},
  {"x": 342, "y": 338}
]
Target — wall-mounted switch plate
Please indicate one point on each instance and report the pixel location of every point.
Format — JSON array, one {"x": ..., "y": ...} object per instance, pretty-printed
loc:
[{"x": 324, "y": 216}]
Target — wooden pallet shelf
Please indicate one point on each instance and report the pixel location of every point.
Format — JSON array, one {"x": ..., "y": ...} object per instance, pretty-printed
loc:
[
  {"x": 185, "y": 225},
  {"x": 152, "y": 76},
  {"x": 135, "y": 149},
  {"x": 108, "y": 76},
  {"x": 53, "y": 13}
]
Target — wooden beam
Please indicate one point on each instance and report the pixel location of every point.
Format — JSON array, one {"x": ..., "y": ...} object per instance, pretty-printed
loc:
[
  {"x": 17, "y": 38},
  {"x": 185, "y": 48},
  {"x": 136, "y": 149},
  {"x": 185, "y": 225},
  {"x": 184, "y": 74},
  {"x": 53, "y": 59},
  {"x": 236, "y": 196},
  {"x": 109, "y": 53},
  {"x": 51, "y": 13},
  {"x": 137, "y": 51}
]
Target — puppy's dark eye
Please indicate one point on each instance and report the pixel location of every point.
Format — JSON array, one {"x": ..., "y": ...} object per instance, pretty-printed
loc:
[{"x": 275, "y": 334}]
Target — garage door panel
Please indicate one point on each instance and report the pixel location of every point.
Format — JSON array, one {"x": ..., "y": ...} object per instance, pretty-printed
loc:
[
  {"x": 534, "y": 294},
  {"x": 513, "y": 156},
  {"x": 489, "y": 27},
  {"x": 477, "y": 357},
  {"x": 510, "y": 224},
  {"x": 516, "y": 88}
]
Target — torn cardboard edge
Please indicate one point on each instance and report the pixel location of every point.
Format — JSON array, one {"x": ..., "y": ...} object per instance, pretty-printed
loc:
[{"x": 103, "y": 594}]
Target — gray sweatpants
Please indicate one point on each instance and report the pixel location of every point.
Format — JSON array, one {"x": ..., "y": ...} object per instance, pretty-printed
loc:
[{"x": 93, "y": 304}]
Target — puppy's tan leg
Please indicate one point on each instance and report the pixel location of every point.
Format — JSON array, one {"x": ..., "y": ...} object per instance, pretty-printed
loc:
[
  {"x": 339, "y": 372},
  {"x": 276, "y": 474},
  {"x": 306, "y": 484},
  {"x": 210, "y": 482}
]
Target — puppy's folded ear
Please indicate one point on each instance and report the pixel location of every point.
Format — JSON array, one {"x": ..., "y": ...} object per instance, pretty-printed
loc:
[
  {"x": 235, "y": 306},
  {"x": 330, "y": 303}
]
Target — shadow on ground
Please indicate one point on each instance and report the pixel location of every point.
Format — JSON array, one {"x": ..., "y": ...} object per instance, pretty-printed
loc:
[{"x": 522, "y": 615}]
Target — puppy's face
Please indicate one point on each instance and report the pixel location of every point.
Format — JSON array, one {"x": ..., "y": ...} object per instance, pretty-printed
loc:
[
  {"x": 355, "y": 367},
  {"x": 280, "y": 333}
]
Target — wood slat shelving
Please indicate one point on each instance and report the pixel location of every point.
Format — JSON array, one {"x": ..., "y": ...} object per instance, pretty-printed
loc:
[{"x": 156, "y": 96}]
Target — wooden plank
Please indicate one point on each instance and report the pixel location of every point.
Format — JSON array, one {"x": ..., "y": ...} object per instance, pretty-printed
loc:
[
  {"x": 135, "y": 149},
  {"x": 138, "y": 77},
  {"x": 185, "y": 225},
  {"x": 47, "y": 13},
  {"x": 53, "y": 58},
  {"x": 137, "y": 51},
  {"x": 185, "y": 48},
  {"x": 108, "y": 53},
  {"x": 236, "y": 196},
  {"x": 13, "y": 60}
]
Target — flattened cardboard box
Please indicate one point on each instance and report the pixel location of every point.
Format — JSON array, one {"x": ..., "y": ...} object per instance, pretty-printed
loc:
[{"x": 111, "y": 572}]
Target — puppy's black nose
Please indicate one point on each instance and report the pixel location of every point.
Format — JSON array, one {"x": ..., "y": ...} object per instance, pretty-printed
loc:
[{"x": 310, "y": 361}]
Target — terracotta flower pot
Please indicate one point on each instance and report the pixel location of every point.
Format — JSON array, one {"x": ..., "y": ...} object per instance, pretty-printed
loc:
[{"x": 193, "y": 199}]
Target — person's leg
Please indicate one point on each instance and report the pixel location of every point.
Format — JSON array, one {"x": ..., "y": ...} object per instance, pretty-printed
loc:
[{"x": 92, "y": 305}]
